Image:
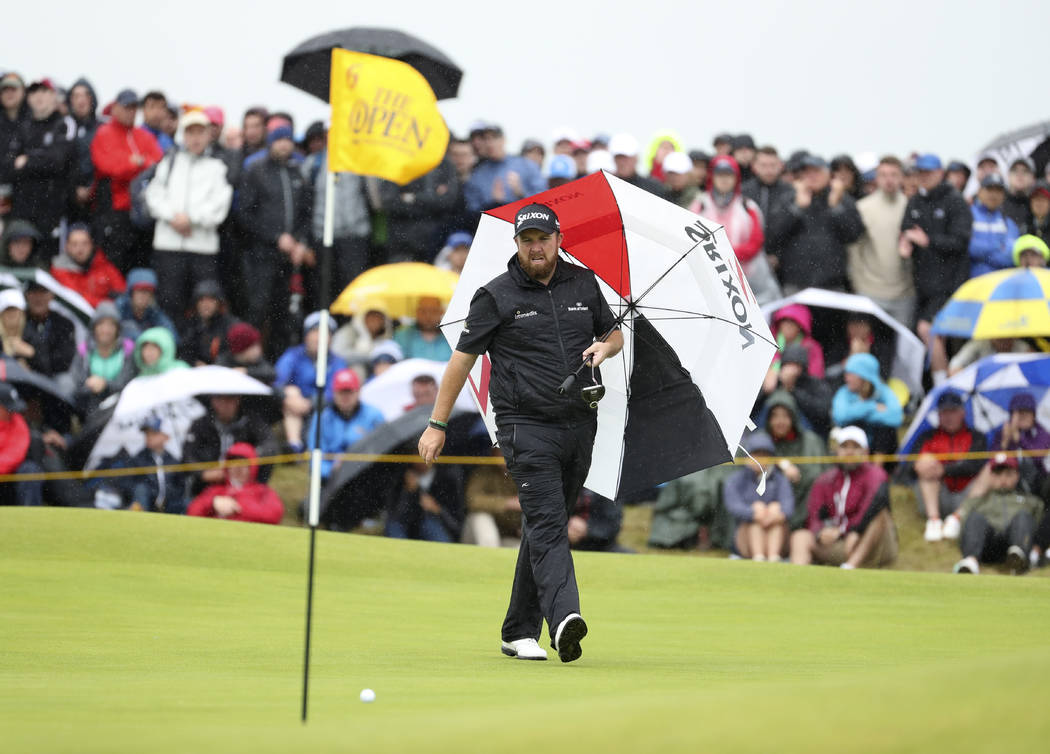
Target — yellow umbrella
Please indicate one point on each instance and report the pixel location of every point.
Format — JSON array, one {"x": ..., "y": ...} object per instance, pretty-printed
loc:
[{"x": 396, "y": 289}]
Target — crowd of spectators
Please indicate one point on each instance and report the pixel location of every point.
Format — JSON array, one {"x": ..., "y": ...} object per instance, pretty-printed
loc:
[{"x": 195, "y": 241}]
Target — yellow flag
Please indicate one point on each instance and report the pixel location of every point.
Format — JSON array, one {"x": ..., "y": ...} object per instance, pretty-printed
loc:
[{"x": 385, "y": 120}]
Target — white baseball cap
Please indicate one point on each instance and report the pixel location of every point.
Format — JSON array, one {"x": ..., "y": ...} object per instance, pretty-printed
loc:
[
  {"x": 852, "y": 433},
  {"x": 600, "y": 159},
  {"x": 12, "y": 298},
  {"x": 677, "y": 162},
  {"x": 624, "y": 144}
]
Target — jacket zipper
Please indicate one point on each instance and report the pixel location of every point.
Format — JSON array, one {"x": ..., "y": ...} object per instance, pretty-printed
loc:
[
  {"x": 289, "y": 210},
  {"x": 189, "y": 168},
  {"x": 557, "y": 329}
]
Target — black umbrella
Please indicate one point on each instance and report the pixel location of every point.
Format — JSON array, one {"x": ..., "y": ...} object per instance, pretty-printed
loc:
[
  {"x": 309, "y": 66},
  {"x": 358, "y": 489},
  {"x": 16, "y": 374}
]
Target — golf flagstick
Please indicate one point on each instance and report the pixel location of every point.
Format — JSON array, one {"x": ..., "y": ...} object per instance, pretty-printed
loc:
[{"x": 313, "y": 510}]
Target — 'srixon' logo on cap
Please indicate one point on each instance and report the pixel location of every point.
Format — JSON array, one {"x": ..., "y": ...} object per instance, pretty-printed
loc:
[{"x": 535, "y": 216}]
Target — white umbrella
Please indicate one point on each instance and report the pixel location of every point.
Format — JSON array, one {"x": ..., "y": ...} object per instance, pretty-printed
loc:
[{"x": 391, "y": 392}]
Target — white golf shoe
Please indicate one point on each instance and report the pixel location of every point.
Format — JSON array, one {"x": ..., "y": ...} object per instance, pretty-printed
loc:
[
  {"x": 524, "y": 649},
  {"x": 934, "y": 530}
]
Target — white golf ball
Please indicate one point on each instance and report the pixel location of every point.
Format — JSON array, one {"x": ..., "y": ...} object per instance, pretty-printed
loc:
[{"x": 367, "y": 695}]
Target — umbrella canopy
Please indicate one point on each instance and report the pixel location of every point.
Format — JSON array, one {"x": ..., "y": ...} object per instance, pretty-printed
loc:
[
  {"x": 309, "y": 66},
  {"x": 830, "y": 310},
  {"x": 66, "y": 302},
  {"x": 986, "y": 388},
  {"x": 12, "y": 371},
  {"x": 171, "y": 397},
  {"x": 696, "y": 346},
  {"x": 396, "y": 289},
  {"x": 391, "y": 392},
  {"x": 1016, "y": 144},
  {"x": 1012, "y": 303}
]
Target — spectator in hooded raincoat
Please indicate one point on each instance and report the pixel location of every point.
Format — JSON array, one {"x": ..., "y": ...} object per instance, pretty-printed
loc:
[
  {"x": 104, "y": 364},
  {"x": 155, "y": 352},
  {"x": 867, "y": 402},
  {"x": 83, "y": 109},
  {"x": 241, "y": 497},
  {"x": 205, "y": 330},
  {"x": 791, "y": 439},
  {"x": 18, "y": 246},
  {"x": 14, "y": 451}
]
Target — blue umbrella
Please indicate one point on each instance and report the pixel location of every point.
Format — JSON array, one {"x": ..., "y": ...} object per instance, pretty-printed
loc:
[{"x": 986, "y": 389}]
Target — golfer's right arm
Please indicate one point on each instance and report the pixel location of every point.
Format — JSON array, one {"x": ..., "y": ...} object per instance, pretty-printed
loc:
[{"x": 456, "y": 373}]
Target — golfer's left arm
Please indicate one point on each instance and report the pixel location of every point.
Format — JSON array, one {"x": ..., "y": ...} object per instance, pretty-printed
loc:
[
  {"x": 604, "y": 349},
  {"x": 433, "y": 438}
]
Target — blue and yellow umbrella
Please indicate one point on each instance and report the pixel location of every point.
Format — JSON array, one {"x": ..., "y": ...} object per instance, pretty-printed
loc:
[{"x": 1012, "y": 303}]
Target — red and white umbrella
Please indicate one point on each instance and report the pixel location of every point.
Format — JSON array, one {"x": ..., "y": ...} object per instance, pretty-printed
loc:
[{"x": 696, "y": 345}]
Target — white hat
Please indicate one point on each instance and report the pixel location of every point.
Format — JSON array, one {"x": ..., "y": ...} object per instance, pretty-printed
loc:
[
  {"x": 12, "y": 298},
  {"x": 624, "y": 144},
  {"x": 677, "y": 162},
  {"x": 600, "y": 159},
  {"x": 852, "y": 433},
  {"x": 194, "y": 118}
]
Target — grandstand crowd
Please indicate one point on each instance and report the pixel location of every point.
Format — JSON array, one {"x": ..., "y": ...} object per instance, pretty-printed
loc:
[{"x": 141, "y": 237}]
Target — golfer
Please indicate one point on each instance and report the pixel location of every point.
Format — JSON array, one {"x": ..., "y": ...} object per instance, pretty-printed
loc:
[{"x": 536, "y": 321}]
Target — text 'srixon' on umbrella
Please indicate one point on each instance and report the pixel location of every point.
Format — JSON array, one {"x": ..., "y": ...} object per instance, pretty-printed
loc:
[{"x": 697, "y": 233}]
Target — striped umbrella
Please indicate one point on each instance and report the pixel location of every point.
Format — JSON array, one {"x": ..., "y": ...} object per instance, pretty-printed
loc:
[{"x": 1009, "y": 303}]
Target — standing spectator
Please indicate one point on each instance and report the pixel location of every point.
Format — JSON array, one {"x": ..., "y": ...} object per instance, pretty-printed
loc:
[
  {"x": 678, "y": 179},
  {"x": 155, "y": 118},
  {"x": 741, "y": 218},
  {"x": 867, "y": 402},
  {"x": 345, "y": 421},
  {"x": 876, "y": 268},
  {"x": 994, "y": 234},
  {"x": 297, "y": 380},
  {"x": 1020, "y": 182},
  {"x": 761, "y": 519},
  {"x": 351, "y": 225},
  {"x": 765, "y": 188},
  {"x": 958, "y": 175},
  {"x": 418, "y": 213},
  {"x": 1038, "y": 223},
  {"x": 240, "y": 497},
  {"x": 624, "y": 150},
  {"x": 274, "y": 208},
  {"x": 14, "y": 451},
  {"x": 498, "y": 178},
  {"x": 84, "y": 268},
  {"x": 104, "y": 364},
  {"x": 845, "y": 169},
  {"x": 531, "y": 149},
  {"x": 13, "y": 112},
  {"x": 791, "y": 439},
  {"x": 811, "y": 230},
  {"x": 427, "y": 505},
  {"x": 935, "y": 235},
  {"x": 848, "y": 520},
  {"x": 942, "y": 484},
  {"x": 39, "y": 162},
  {"x": 744, "y": 153},
  {"x": 189, "y": 198},
  {"x": 18, "y": 245},
  {"x": 253, "y": 131},
  {"x": 205, "y": 331},
  {"x": 423, "y": 339},
  {"x": 138, "y": 306},
  {"x": 662, "y": 144},
  {"x": 83, "y": 109},
  {"x": 213, "y": 435},
  {"x": 722, "y": 143},
  {"x": 120, "y": 151},
  {"x": 700, "y": 160},
  {"x": 561, "y": 170},
  {"x": 997, "y": 524}
]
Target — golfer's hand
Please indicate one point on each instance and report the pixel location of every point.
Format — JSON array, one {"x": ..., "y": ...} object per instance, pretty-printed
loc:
[
  {"x": 599, "y": 351},
  {"x": 430, "y": 444}
]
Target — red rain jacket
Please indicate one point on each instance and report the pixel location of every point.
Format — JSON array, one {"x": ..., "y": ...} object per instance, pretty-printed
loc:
[
  {"x": 258, "y": 502},
  {"x": 111, "y": 151}
]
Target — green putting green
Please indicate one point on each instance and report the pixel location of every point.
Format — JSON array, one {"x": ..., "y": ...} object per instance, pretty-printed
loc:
[{"x": 124, "y": 632}]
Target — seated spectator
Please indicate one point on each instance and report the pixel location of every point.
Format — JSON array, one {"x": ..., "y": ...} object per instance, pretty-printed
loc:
[
  {"x": 224, "y": 425},
  {"x": 689, "y": 513},
  {"x": 792, "y": 440},
  {"x": 12, "y": 326},
  {"x": 244, "y": 353},
  {"x": 239, "y": 497},
  {"x": 18, "y": 246},
  {"x": 14, "y": 451},
  {"x": 138, "y": 307},
  {"x": 866, "y": 401},
  {"x": 354, "y": 341},
  {"x": 206, "y": 329},
  {"x": 994, "y": 233},
  {"x": 50, "y": 334},
  {"x": 104, "y": 364},
  {"x": 453, "y": 254},
  {"x": 793, "y": 325},
  {"x": 1038, "y": 223},
  {"x": 423, "y": 339},
  {"x": 427, "y": 505},
  {"x": 1031, "y": 251},
  {"x": 344, "y": 421},
  {"x": 493, "y": 510},
  {"x": 424, "y": 391},
  {"x": 761, "y": 520},
  {"x": 998, "y": 523},
  {"x": 383, "y": 356},
  {"x": 83, "y": 267},
  {"x": 1021, "y": 431},
  {"x": 848, "y": 520},
  {"x": 861, "y": 338},
  {"x": 155, "y": 352},
  {"x": 161, "y": 490},
  {"x": 812, "y": 394},
  {"x": 943, "y": 484},
  {"x": 977, "y": 349},
  {"x": 595, "y": 524},
  {"x": 297, "y": 380}
]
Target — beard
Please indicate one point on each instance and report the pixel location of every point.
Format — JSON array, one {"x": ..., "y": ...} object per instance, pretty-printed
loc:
[{"x": 535, "y": 270}]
